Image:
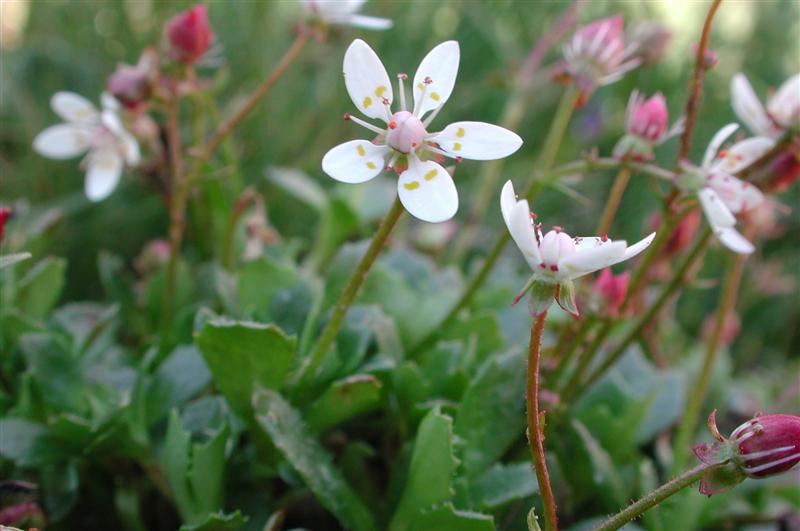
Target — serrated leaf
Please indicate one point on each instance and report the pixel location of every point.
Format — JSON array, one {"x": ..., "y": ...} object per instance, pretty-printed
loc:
[
  {"x": 344, "y": 399},
  {"x": 430, "y": 472},
  {"x": 501, "y": 484},
  {"x": 243, "y": 356},
  {"x": 300, "y": 447}
]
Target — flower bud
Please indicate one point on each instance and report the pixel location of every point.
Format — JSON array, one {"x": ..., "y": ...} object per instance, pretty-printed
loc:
[
  {"x": 611, "y": 290},
  {"x": 648, "y": 119},
  {"x": 153, "y": 256},
  {"x": 133, "y": 85},
  {"x": 683, "y": 234},
  {"x": 189, "y": 34},
  {"x": 784, "y": 169},
  {"x": 5, "y": 213},
  {"x": 767, "y": 445},
  {"x": 710, "y": 57},
  {"x": 650, "y": 39}
]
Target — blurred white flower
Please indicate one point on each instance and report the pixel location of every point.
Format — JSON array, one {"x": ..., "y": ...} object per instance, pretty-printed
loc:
[
  {"x": 100, "y": 133},
  {"x": 720, "y": 193},
  {"x": 344, "y": 12},
  {"x": 425, "y": 188},
  {"x": 557, "y": 258},
  {"x": 782, "y": 111}
]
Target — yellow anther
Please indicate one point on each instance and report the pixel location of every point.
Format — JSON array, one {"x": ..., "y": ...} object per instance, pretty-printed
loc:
[
  {"x": 430, "y": 175},
  {"x": 367, "y": 102},
  {"x": 413, "y": 185},
  {"x": 361, "y": 150}
]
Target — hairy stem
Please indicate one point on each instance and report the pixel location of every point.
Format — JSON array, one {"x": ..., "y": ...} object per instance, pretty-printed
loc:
[
  {"x": 697, "y": 392},
  {"x": 648, "y": 501},
  {"x": 536, "y": 427},
  {"x": 333, "y": 326},
  {"x": 614, "y": 199}
]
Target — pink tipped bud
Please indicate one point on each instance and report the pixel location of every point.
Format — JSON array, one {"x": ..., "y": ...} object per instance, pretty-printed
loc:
[
  {"x": 133, "y": 85},
  {"x": 189, "y": 34},
  {"x": 5, "y": 213},
  {"x": 767, "y": 445},
  {"x": 607, "y": 34},
  {"x": 612, "y": 290},
  {"x": 649, "y": 119},
  {"x": 784, "y": 169},
  {"x": 683, "y": 234},
  {"x": 153, "y": 256}
]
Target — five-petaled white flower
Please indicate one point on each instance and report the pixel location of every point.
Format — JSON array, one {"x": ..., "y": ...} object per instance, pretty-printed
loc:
[
  {"x": 88, "y": 129},
  {"x": 782, "y": 111},
  {"x": 425, "y": 188},
  {"x": 557, "y": 258},
  {"x": 344, "y": 12},
  {"x": 720, "y": 193}
]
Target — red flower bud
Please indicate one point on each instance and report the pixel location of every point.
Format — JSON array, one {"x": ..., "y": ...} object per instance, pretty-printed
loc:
[
  {"x": 649, "y": 119},
  {"x": 683, "y": 234},
  {"x": 767, "y": 445},
  {"x": 5, "y": 213},
  {"x": 189, "y": 34},
  {"x": 612, "y": 290},
  {"x": 784, "y": 169}
]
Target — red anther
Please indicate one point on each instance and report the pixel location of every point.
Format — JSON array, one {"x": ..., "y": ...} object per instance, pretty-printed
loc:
[
  {"x": 427, "y": 80},
  {"x": 388, "y": 168},
  {"x": 553, "y": 268},
  {"x": 543, "y": 266},
  {"x": 346, "y": 116},
  {"x": 533, "y": 215},
  {"x": 458, "y": 159},
  {"x": 385, "y": 101},
  {"x": 414, "y": 145},
  {"x": 604, "y": 237},
  {"x": 723, "y": 153},
  {"x": 393, "y": 124},
  {"x": 558, "y": 229},
  {"x": 402, "y": 75}
]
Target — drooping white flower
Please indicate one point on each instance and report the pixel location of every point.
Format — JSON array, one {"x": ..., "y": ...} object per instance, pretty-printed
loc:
[
  {"x": 425, "y": 188},
  {"x": 100, "y": 133},
  {"x": 344, "y": 12},
  {"x": 720, "y": 193},
  {"x": 782, "y": 111},
  {"x": 557, "y": 258}
]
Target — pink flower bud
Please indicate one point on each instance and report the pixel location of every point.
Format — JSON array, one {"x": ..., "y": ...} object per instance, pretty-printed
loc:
[
  {"x": 154, "y": 255},
  {"x": 189, "y": 34},
  {"x": 683, "y": 234},
  {"x": 649, "y": 119},
  {"x": 612, "y": 290},
  {"x": 767, "y": 445},
  {"x": 133, "y": 85},
  {"x": 607, "y": 36},
  {"x": 710, "y": 57},
  {"x": 784, "y": 169},
  {"x": 650, "y": 39},
  {"x": 5, "y": 213},
  {"x": 730, "y": 328}
]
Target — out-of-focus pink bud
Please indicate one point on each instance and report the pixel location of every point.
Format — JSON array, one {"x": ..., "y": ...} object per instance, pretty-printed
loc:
[
  {"x": 710, "y": 57},
  {"x": 5, "y": 213},
  {"x": 784, "y": 169},
  {"x": 683, "y": 234},
  {"x": 767, "y": 445},
  {"x": 730, "y": 328},
  {"x": 650, "y": 39},
  {"x": 133, "y": 85},
  {"x": 153, "y": 256},
  {"x": 612, "y": 290},
  {"x": 649, "y": 119},
  {"x": 28, "y": 513},
  {"x": 189, "y": 34}
]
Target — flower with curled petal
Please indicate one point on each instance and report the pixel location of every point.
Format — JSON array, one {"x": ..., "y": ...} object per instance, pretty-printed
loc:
[
  {"x": 781, "y": 114},
  {"x": 86, "y": 128},
  {"x": 720, "y": 193},
  {"x": 343, "y": 12},
  {"x": 557, "y": 258},
  {"x": 425, "y": 188}
]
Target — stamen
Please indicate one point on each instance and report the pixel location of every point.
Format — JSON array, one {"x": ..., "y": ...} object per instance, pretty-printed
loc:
[
  {"x": 401, "y": 77},
  {"x": 362, "y": 123},
  {"x": 604, "y": 237},
  {"x": 387, "y": 108},
  {"x": 432, "y": 116},
  {"x": 418, "y": 102},
  {"x": 433, "y": 149}
]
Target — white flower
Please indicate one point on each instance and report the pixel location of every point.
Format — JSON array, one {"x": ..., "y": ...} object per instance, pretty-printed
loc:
[
  {"x": 556, "y": 257},
  {"x": 720, "y": 193},
  {"x": 87, "y": 129},
  {"x": 344, "y": 12},
  {"x": 782, "y": 112},
  {"x": 425, "y": 188}
]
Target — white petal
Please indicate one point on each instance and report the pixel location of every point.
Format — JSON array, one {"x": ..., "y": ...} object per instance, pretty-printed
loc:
[
  {"x": 73, "y": 107},
  {"x": 478, "y": 141},
  {"x": 638, "y": 247},
  {"x": 742, "y": 154},
  {"x": 587, "y": 260},
  {"x": 718, "y": 139},
  {"x": 718, "y": 215},
  {"x": 523, "y": 232},
  {"x": 129, "y": 148},
  {"x": 356, "y": 161},
  {"x": 747, "y": 106},
  {"x": 374, "y": 23},
  {"x": 508, "y": 199},
  {"x": 109, "y": 102},
  {"x": 105, "y": 168},
  {"x": 730, "y": 238},
  {"x": 332, "y": 9},
  {"x": 441, "y": 67},
  {"x": 62, "y": 141},
  {"x": 737, "y": 195},
  {"x": 366, "y": 80},
  {"x": 427, "y": 191},
  {"x": 785, "y": 104}
]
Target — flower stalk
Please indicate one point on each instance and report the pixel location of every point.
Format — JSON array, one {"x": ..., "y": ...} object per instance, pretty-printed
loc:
[
  {"x": 536, "y": 426},
  {"x": 613, "y": 200},
  {"x": 177, "y": 211}
]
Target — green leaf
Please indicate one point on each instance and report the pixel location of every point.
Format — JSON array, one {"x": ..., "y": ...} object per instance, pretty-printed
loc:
[
  {"x": 259, "y": 281},
  {"x": 430, "y": 473},
  {"x": 492, "y": 413},
  {"x": 448, "y": 518},
  {"x": 40, "y": 288},
  {"x": 180, "y": 377},
  {"x": 28, "y": 443},
  {"x": 604, "y": 473},
  {"x": 218, "y": 522},
  {"x": 501, "y": 484},
  {"x": 300, "y": 447},
  {"x": 244, "y": 356},
  {"x": 11, "y": 259},
  {"x": 344, "y": 399}
]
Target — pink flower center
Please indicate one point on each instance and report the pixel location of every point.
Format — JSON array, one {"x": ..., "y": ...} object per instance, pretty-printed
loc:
[
  {"x": 406, "y": 132},
  {"x": 555, "y": 245}
]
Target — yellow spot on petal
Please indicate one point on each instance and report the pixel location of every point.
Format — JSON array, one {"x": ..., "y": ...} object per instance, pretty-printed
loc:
[
  {"x": 371, "y": 165},
  {"x": 380, "y": 90},
  {"x": 420, "y": 86},
  {"x": 413, "y": 185},
  {"x": 367, "y": 102},
  {"x": 460, "y": 132},
  {"x": 457, "y": 146},
  {"x": 430, "y": 175},
  {"x": 435, "y": 96},
  {"x": 361, "y": 150}
]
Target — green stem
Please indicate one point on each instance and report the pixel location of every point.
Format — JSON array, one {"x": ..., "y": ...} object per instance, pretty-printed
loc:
[
  {"x": 648, "y": 501},
  {"x": 333, "y": 326},
  {"x": 536, "y": 427},
  {"x": 666, "y": 294},
  {"x": 613, "y": 200},
  {"x": 697, "y": 392}
]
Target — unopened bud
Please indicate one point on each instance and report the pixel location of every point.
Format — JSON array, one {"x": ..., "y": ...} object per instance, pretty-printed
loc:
[
  {"x": 650, "y": 39},
  {"x": 133, "y": 85},
  {"x": 189, "y": 34},
  {"x": 5, "y": 213},
  {"x": 767, "y": 445}
]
